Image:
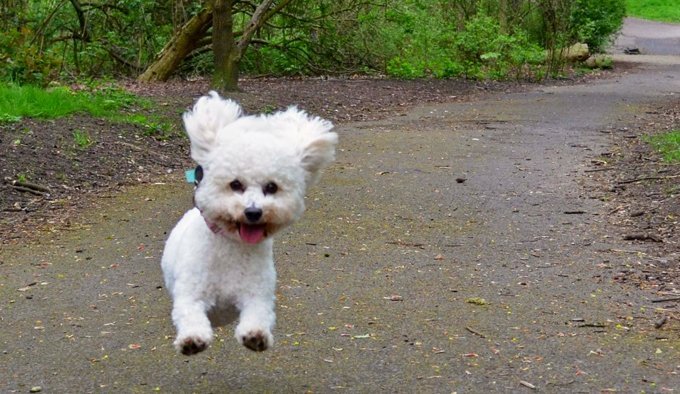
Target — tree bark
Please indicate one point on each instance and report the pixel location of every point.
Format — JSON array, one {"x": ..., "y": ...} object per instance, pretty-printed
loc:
[
  {"x": 229, "y": 52},
  {"x": 181, "y": 45},
  {"x": 225, "y": 76}
]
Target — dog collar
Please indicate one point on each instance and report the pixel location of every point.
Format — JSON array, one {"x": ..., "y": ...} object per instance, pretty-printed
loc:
[
  {"x": 212, "y": 226},
  {"x": 194, "y": 176},
  {"x": 190, "y": 176}
]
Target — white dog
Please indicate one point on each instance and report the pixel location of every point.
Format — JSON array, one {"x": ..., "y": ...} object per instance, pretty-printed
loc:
[{"x": 252, "y": 175}]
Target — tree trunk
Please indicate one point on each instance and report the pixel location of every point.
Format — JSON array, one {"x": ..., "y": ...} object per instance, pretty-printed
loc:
[
  {"x": 228, "y": 51},
  {"x": 180, "y": 45},
  {"x": 503, "y": 18},
  {"x": 225, "y": 52}
]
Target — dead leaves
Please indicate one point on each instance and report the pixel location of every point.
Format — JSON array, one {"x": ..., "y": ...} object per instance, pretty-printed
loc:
[{"x": 477, "y": 301}]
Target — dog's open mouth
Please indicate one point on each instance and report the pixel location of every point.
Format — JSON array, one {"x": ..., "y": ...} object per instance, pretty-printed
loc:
[
  {"x": 252, "y": 233},
  {"x": 249, "y": 233}
]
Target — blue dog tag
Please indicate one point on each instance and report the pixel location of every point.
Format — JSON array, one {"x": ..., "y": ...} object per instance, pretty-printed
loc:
[{"x": 190, "y": 176}]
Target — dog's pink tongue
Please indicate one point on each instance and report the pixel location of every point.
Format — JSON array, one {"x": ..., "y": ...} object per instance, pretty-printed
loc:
[{"x": 251, "y": 233}]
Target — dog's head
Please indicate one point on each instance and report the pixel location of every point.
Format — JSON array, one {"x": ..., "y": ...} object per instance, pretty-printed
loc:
[{"x": 255, "y": 169}]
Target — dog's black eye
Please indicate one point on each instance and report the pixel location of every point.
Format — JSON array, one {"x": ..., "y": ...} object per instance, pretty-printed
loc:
[
  {"x": 236, "y": 185},
  {"x": 270, "y": 188},
  {"x": 198, "y": 174}
]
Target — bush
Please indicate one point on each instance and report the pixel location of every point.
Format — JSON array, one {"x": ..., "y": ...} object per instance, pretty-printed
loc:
[
  {"x": 22, "y": 62},
  {"x": 595, "y": 21},
  {"x": 479, "y": 50},
  {"x": 43, "y": 41},
  {"x": 423, "y": 43}
]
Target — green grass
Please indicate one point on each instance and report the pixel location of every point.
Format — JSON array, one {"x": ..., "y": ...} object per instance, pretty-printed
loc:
[
  {"x": 668, "y": 144},
  {"x": 36, "y": 102},
  {"x": 82, "y": 139},
  {"x": 658, "y": 10},
  {"x": 17, "y": 102}
]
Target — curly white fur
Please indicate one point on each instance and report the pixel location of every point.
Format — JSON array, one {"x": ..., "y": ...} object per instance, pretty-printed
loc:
[{"x": 218, "y": 261}]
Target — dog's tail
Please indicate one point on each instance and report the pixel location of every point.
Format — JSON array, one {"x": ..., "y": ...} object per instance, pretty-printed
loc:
[{"x": 210, "y": 114}]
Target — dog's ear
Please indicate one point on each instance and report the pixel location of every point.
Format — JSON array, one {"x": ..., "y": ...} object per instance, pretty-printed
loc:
[
  {"x": 312, "y": 135},
  {"x": 210, "y": 114},
  {"x": 317, "y": 153}
]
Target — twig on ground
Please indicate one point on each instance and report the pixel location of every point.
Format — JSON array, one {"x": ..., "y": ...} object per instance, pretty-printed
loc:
[
  {"x": 642, "y": 237},
  {"x": 666, "y": 299},
  {"x": 647, "y": 178},
  {"x": 411, "y": 244},
  {"x": 27, "y": 190},
  {"x": 479, "y": 334},
  {"x": 28, "y": 187},
  {"x": 599, "y": 169}
]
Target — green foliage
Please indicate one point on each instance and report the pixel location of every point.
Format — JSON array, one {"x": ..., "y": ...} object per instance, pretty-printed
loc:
[
  {"x": 594, "y": 21},
  {"x": 276, "y": 59},
  {"x": 422, "y": 41},
  {"x": 658, "y": 10},
  {"x": 46, "y": 40},
  {"x": 154, "y": 126},
  {"x": 607, "y": 63},
  {"x": 23, "y": 61},
  {"x": 7, "y": 118},
  {"x": 479, "y": 50},
  {"x": 82, "y": 139},
  {"x": 668, "y": 144},
  {"x": 600, "y": 61},
  {"x": 405, "y": 69},
  {"x": 489, "y": 53}
]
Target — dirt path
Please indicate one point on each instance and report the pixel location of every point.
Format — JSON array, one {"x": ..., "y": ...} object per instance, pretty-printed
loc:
[{"x": 450, "y": 249}]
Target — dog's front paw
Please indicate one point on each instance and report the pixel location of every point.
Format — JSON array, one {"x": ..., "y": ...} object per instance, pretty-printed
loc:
[
  {"x": 191, "y": 344},
  {"x": 257, "y": 340}
]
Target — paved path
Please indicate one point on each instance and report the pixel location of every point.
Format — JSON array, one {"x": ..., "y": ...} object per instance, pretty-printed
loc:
[
  {"x": 651, "y": 38},
  {"x": 401, "y": 277}
]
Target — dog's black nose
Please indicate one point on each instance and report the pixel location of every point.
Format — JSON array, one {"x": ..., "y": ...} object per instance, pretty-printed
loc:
[{"x": 253, "y": 214}]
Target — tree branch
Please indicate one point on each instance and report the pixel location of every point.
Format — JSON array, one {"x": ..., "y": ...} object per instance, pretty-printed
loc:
[
  {"x": 259, "y": 17},
  {"x": 84, "y": 33}
]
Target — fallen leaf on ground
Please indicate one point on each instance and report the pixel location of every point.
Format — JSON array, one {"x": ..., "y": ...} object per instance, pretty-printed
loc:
[
  {"x": 28, "y": 286},
  {"x": 476, "y": 301},
  {"x": 527, "y": 384}
]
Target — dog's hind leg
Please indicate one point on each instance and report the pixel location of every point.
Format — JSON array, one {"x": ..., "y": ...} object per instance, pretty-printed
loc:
[{"x": 194, "y": 332}]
